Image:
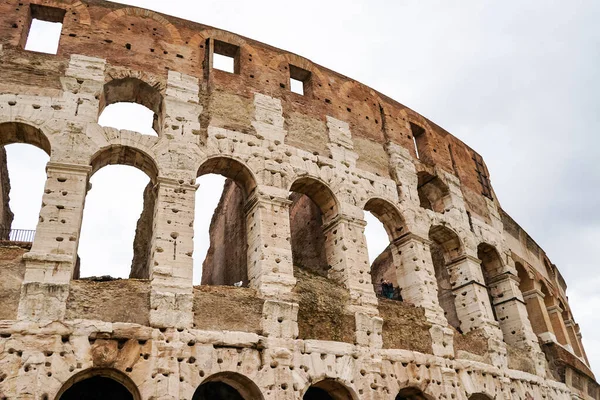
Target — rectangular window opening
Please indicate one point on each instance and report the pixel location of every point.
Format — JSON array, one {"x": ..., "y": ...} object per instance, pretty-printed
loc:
[
  {"x": 482, "y": 177},
  {"x": 45, "y": 29},
  {"x": 226, "y": 57},
  {"x": 299, "y": 80},
  {"x": 418, "y": 136}
]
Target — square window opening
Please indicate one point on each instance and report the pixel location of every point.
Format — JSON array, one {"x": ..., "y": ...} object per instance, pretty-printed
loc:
[
  {"x": 299, "y": 80},
  {"x": 226, "y": 57},
  {"x": 297, "y": 86},
  {"x": 45, "y": 29}
]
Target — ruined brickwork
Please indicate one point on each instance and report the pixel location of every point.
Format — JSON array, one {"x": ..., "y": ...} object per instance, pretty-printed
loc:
[{"x": 484, "y": 314}]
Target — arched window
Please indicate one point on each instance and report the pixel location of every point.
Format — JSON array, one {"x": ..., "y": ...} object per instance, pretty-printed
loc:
[
  {"x": 226, "y": 243},
  {"x": 491, "y": 266},
  {"x": 227, "y": 386},
  {"x": 384, "y": 226},
  {"x": 412, "y": 394},
  {"x": 445, "y": 247},
  {"x": 99, "y": 384},
  {"x": 328, "y": 389},
  {"x": 479, "y": 396},
  {"x": 132, "y": 104},
  {"x": 24, "y": 153},
  {"x": 313, "y": 206},
  {"x": 433, "y": 193},
  {"x": 118, "y": 215}
]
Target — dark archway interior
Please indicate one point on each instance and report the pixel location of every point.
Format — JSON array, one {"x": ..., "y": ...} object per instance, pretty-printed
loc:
[
  {"x": 315, "y": 393},
  {"x": 97, "y": 388},
  {"x": 411, "y": 394},
  {"x": 216, "y": 391}
]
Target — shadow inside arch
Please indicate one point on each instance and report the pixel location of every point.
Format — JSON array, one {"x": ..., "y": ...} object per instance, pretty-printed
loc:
[
  {"x": 97, "y": 384},
  {"x": 18, "y": 132},
  {"x": 227, "y": 386}
]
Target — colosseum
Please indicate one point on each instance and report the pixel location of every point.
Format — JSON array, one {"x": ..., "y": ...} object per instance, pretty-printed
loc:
[{"x": 479, "y": 311}]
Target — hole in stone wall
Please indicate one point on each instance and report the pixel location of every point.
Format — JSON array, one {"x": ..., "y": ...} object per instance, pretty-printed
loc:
[
  {"x": 220, "y": 223},
  {"x": 129, "y": 116},
  {"x": 45, "y": 29},
  {"x": 300, "y": 80},
  {"x": 22, "y": 180},
  {"x": 383, "y": 270},
  {"x": 115, "y": 234},
  {"x": 226, "y": 57}
]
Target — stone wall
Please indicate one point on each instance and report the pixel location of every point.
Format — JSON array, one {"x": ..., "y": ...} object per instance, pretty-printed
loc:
[{"x": 344, "y": 149}]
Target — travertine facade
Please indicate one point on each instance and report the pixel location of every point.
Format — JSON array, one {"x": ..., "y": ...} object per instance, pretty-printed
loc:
[{"x": 484, "y": 312}]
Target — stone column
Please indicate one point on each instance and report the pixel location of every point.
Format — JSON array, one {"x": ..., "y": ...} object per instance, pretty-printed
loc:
[
  {"x": 571, "y": 330},
  {"x": 473, "y": 306},
  {"x": 51, "y": 261},
  {"x": 346, "y": 249},
  {"x": 538, "y": 315},
  {"x": 171, "y": 259},
  {"x": 416, "y": 278},
  {"x": 512, "y": 316},
  {"x": 558, "y": 325},
  {"x": 270, "y": 266}
]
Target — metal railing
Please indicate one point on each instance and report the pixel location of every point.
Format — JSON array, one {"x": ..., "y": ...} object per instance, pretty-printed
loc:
[{"x": 17, "y": 235}]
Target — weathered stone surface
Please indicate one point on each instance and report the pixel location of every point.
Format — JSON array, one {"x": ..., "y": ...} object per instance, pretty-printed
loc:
[
  {"x": 343, "y": 148},
  {"x": 225, "y": 262}
]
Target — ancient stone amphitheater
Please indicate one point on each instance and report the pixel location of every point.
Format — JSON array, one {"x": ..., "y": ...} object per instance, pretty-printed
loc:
[{"x": 481, "y": 311}]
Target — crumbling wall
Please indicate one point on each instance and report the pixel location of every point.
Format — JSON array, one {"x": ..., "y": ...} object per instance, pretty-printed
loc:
[
  {"x": 6, "y": 215},
  {"x": 12, "y": 272},
  {"x": 404, "y": 326},
  {"x": 322, "y": 309},
  {"x": 308, "y": 241},
  {"x": 120, "y": 300},
  {"x": 227, "y": 308},
  {"x": 473, "y": 342},
  {"x": 142, "y": 244},
  {"x": 225, "y": 262}
]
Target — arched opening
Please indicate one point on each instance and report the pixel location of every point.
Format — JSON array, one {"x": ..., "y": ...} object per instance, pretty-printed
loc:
[
  {"x": 433, "y": 193},
  {"x": 491, "y": 266},
  {"x": 220, "y": 241},
  {"x": 479, "y": 396},
  {"x": 313, "y": 207},
  {"x": 445, "y": 247},
  {"x": 328, "y": 389},
  {"x": 384, "y": 226},
  {"x": 99, "y": 384},
  {"x": 412, "y": 394},
  {"x": 131, "y": 104},
  {"x": 118, "y": 216},
  {"x": 227, "y": 386},
  {"x": 24, "y": 153},
  {"x": 536, "y": 309}
]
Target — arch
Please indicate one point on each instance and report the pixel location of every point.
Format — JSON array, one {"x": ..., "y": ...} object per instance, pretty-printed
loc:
[
  {"x": 320, "y": 193},
  {"x": 479, "y": 396},
  {"x": 18, "y": 132},
  {"x": 99, "y": 378},
  {"x": 433, "y": 192},
  {"x": 445, "y": 248},
  {"x": 131, "y": 89},
  {"x": 227, "y": 385},
  {"x": 491, "y": 263},
  {"x": 412, "y": 393},
  {"x": 109, "y": 19},
  {"x": 230, "y": 168},
  {"x": 329, "y": 389},
  {"x": 125, "y": 155},
  {"x": 548, "y": 297},
  {"x": 525, "y": 282},
  {"x": 388, "y": 215}
]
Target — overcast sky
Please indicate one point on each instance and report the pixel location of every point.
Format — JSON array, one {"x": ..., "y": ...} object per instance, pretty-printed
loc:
[{"x": 515, "y": 80}]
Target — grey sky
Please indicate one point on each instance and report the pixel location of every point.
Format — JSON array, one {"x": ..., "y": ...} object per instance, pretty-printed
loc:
[{"x": 515, "y": 80}]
